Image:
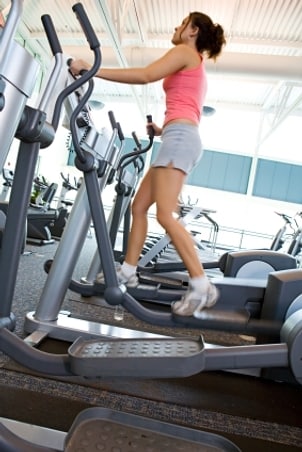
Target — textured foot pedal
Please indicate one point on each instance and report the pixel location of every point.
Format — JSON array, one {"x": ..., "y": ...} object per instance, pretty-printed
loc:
[
  {"x": 145, "y": 358},
  {"x": 98, "y": 429}
]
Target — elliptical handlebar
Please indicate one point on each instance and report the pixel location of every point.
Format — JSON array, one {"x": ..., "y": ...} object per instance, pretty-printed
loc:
[
  {"x": 86, "y": 26},
  {"x": 86, "y": 76},
  {"x": 150, "y": 128},
  {"x": 289, "y": 220},
  {"x": 136, "y": 140},
  {"x": 51, "y": 34},
  {"x": 135, "y": 157},
  {"x": 285, "y": 217},
  {"x": 116, "y": 125},
  {"x": 128, "y": 158}
]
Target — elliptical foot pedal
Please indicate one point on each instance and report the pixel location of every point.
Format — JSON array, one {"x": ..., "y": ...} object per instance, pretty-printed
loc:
[
  {"x": 107, "y": 430},
  {"x": 212, "y": 318},
  {"x": 237, "y": 316},
  {"x": 162, "y": 281},
  {"x": 146, "y": 292},
  {"x": 140, "y": 358}
]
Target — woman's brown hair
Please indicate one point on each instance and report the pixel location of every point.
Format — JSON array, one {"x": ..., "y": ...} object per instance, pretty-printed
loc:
[{"x": 210, "y": 38}]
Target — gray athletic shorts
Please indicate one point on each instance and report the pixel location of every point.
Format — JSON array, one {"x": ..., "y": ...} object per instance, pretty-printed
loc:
[{"x": 181, "y": 147}]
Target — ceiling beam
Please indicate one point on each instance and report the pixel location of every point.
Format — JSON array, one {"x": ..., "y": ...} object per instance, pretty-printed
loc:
[
  {"x": 253, "y": 66},
  {"x": 282, "y": 114},
  {"x": 163, "y": 40}
]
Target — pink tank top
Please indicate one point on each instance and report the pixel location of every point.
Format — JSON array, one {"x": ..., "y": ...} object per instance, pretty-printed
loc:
[{"x": 185, "y": 92}]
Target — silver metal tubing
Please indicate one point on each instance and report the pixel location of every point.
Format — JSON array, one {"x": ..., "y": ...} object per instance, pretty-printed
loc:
[
  {"x": 9, "y": 31},
  {"x": 66, "y": 256},
  {"x": 19, "y": 74}
]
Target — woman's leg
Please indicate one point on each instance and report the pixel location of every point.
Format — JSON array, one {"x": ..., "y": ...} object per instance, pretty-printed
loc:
[
  {"x": 137, "y": 236},
  {"x": 168, "y": 183},
  {"x": 163, "y": 185},
  {"x": 201, "y": 293},
  {"x": 139, "y": 226}
]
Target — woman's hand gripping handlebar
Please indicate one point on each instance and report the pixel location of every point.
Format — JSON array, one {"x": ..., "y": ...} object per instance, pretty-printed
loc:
[{"x": 152, "y": 129}]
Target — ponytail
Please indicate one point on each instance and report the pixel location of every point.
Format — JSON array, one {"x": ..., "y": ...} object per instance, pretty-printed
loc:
[{"x": 210, "y": 37}]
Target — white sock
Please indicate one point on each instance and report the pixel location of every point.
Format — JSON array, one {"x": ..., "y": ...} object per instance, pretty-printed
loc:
[
  {"x": 199, "y": 283},
  {"x": 128, "y": 270}
]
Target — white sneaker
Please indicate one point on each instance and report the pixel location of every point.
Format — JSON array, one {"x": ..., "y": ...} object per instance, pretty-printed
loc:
[
  {"x": 212, "y": 297},
  {"x": 193, "y": 302},
  {"x": 132, "y": 281}
]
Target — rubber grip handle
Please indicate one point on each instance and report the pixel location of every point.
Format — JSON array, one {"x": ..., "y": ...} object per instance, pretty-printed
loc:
[
  {"x": 116, "y": 125},
  {"x": 112, "y": 119},
  {"x": 51, "y": 34},
  {"x": 86, "y": 26},
  {"x": 150, "y": 129},
  {"x": 120, "y": 132},
  {"x": 136, "y": 140}
]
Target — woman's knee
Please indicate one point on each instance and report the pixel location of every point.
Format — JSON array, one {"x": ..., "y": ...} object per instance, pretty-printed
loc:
[
  {"x": 138, "y": 209},
  {"x": 165, "y": 219}
]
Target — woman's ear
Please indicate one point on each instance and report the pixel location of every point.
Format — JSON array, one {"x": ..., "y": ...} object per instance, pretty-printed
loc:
[{"x": 194, "y": 31}]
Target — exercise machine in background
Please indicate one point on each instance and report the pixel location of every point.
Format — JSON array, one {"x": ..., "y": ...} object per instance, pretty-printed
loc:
[
  {"x": 8, "y": 176},
  {"x": 41, "y": 216},
  {"x": 63, "y": 206},
  {"x": 288, "y": 238}
]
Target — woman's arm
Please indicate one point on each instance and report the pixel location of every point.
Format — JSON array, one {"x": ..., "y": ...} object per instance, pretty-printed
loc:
[{"x": 173, "y": 61}]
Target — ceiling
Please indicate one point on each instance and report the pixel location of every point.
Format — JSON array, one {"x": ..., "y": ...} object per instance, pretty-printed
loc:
[{"x": 260, "y": 68}]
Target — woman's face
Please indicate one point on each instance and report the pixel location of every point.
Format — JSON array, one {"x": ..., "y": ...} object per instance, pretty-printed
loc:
[{"x": 182, "y": 32}]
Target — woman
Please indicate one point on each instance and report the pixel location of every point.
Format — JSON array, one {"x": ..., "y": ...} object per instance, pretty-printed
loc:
[{"x": 184, "y": 82}]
